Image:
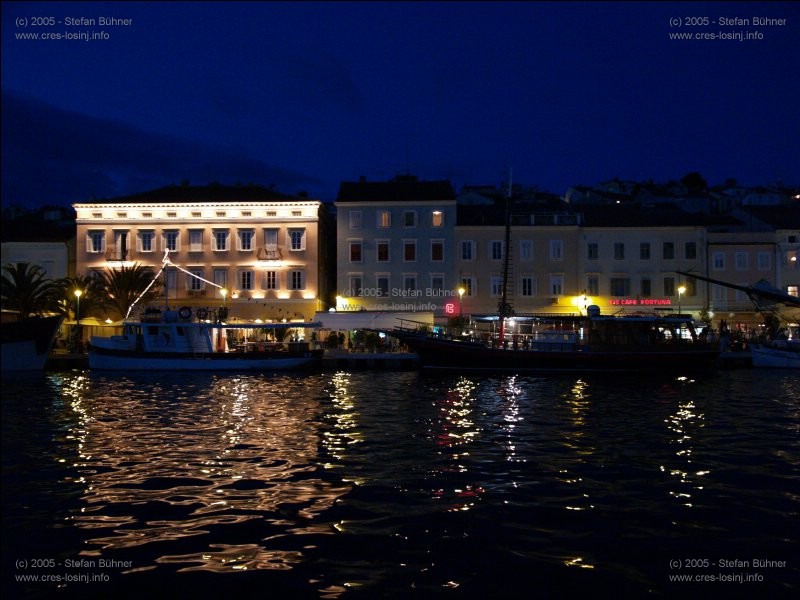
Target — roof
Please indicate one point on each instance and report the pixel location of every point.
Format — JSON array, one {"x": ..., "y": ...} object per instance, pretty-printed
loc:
[
  {"x": 661, "y": 215},
  {"x": 785, "y": 216},
  {"x": 403, "y": 188},
  {"x": 202, "y": 193}
]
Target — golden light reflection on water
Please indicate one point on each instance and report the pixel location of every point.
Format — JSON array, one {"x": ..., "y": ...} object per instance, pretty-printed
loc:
[
  {"x": 683, "y": 425},
  {"x": 222, "y": 452}
]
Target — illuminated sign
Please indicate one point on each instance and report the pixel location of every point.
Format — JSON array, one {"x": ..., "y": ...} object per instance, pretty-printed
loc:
[
  {"x": 641, "y": 302},
  {"x": 450, "y": 308}
]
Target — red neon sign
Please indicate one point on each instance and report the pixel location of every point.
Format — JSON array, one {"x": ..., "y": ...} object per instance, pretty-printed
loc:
[
  {"x": 641, "y": 302},
  {"x": 450, "y": 308}
]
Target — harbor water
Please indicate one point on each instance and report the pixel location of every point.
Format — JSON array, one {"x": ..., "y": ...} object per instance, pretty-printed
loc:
[{"x": 400, "y": 485}]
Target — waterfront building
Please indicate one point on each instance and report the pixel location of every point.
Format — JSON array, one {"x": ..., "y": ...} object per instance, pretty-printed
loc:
[
  {"x": 395, "y": 245},
  {"x": 258, "y": 251}
]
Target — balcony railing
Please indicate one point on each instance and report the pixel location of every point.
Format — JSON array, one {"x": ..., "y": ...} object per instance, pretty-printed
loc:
[{"x": 269, "y": 254}]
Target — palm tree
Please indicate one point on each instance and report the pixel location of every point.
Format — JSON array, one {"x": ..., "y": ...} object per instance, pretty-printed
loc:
[
  {"x": 125, "y": 285},
  {"x": 92, "y": 300},
  {"x": 26, "y": 288}
]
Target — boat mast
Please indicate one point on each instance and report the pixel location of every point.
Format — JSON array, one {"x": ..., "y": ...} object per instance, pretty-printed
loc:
[{"x": 504, "y": 309}]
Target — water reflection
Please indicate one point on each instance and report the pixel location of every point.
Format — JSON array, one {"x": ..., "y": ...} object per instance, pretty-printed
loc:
[
  {"x": 684, "y": 425},
  {"x": 164, "y": 461}
]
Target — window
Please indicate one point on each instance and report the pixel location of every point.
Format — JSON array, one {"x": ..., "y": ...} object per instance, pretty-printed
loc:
[
  {"x": 409, "y": 218},
  {"x": 355, "y": 252},
  {"x": 496, "y": 285},
  {"x": 592, "y": 251},
  {"x": 97, "y": 215},
  {"x": 382, "y": 285},
  {"x": 620, "y": 286},
  {"x": 668, "y": 251},
  {"x": 409, "y": 250},
  {"x": 271, "y": 240},
  {"x": 384, "y": 218},
  {"x": 220, "y": 240},
  {"x": 147, "y": 215},
  {"x": 146, "y": 239},
  {"x": 382, "y": 248},
  {"x": 437, "y": 282},
  {"x": 195, "y": 240},
  {"x": 220, "y": 214},
  {"x": 297, "y": 213},
  {"x": 496, "y": 250},
  {"x": 526, "y": 249},
  {"x": 556, "y": 250},
  {"x": 437, "y": 218},
  {"x": 356, "y": 285},
  {"x": 221, "y": 279},
  {"x": 718, "y": 261},
  {"x": 527, "y": 285},
  {"x": 96, "y": 241},
  {"x": 644, "y": 251},
  {"x": 247, "y": 213},
  {"x": 272, "y": 213},
  {"x": 669, "y": 286},
  {"x": 194, "y": 283},
  {"x": 468, "y": 283},
  {"x": 171, "y": 282},
  {"x": 297, "y": 239},
  {"x": 246, "y": 237},
  {"x": 647, "y": 287},
  {"x": 742, "y": 261},
  {"x": 270, "y": 280},
  {"x": 764, "y": 261},
  {"x": 172, "y": 215},
  {"x": 556, "y": 285},
  {"x": 468, "y": 250},
  {"x": 619, "y": 251},
  {"x": 690, "y": 250},
  {"x": 593, "y": 285},
  {"x": 171, "y": 241},
  {"x": 297, "y": 280},
  {"x": 197, "y": 214},
  {"x": 410, "y": 282},
  {"x": 355, "y": 219},
  {"x": 246, "y": 279},
  {"x": 437, "y": 250},
  {"x": 122, "y": 215}
]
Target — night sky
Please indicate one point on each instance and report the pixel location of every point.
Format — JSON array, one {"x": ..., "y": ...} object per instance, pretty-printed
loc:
[{"x": 304, "y": 96}]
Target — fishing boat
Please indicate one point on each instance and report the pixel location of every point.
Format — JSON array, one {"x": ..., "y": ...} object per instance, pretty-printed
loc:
[
  {"x": 777, "y": 349},
  {"x": 202, "y": 340},
  {"x": 777, "y": 354},
  {"x": 27, "y": 342},
  {"x": 554, "y": 343}
]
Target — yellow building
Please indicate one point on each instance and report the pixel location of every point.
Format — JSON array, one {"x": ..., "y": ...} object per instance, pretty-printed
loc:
[{"x": 259, "y": 252}]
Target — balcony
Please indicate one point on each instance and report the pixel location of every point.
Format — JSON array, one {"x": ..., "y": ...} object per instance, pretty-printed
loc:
[{"x": 269, "y": 254}]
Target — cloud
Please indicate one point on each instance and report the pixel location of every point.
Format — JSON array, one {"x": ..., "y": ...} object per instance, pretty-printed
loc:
[{"x": 56, "y": 156}]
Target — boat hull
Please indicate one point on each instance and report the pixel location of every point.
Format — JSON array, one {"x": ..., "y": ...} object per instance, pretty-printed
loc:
[
  {"x": 466, "y": 356},
  {"x": 27, "y": 343},
  {"x": 774, "y": 358},
  {"x": 124, "y": 360}
]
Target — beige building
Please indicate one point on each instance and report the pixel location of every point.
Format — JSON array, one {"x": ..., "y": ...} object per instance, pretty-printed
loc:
[{"x": 260, "y": 253}]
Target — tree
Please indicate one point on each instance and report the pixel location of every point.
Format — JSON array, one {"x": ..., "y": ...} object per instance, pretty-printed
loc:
[
  {"x": 26, "y": 288},
  {"x": 694, "y": 182},
  {"x": 125, "y": 285},
  {"x": 92, "y": 300}
]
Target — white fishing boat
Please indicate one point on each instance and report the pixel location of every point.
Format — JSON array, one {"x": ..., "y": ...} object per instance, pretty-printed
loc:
[
  {"x": 186, "y": 340},
  {"x": 203, "y": 339},
  {"x": 777, "y": 354}
]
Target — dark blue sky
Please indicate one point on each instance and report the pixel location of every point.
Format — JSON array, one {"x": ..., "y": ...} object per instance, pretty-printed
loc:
[{"x": 306, "y": 95}]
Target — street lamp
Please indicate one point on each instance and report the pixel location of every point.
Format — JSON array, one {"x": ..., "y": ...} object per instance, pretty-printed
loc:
[
  {"x": 461, "y": 291},
  {"x": 224, "y": 293},
  {"x": 78, "y": 294},
  {"x": 681, "y": 292}
]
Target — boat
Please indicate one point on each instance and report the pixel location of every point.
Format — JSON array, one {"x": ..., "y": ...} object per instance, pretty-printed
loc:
[
  {"x": 583, "y": 343},
  {"x": 777, "y": 349},
  {"x": 27, "y": 342},
  {"x": 201, "y": 340}
]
